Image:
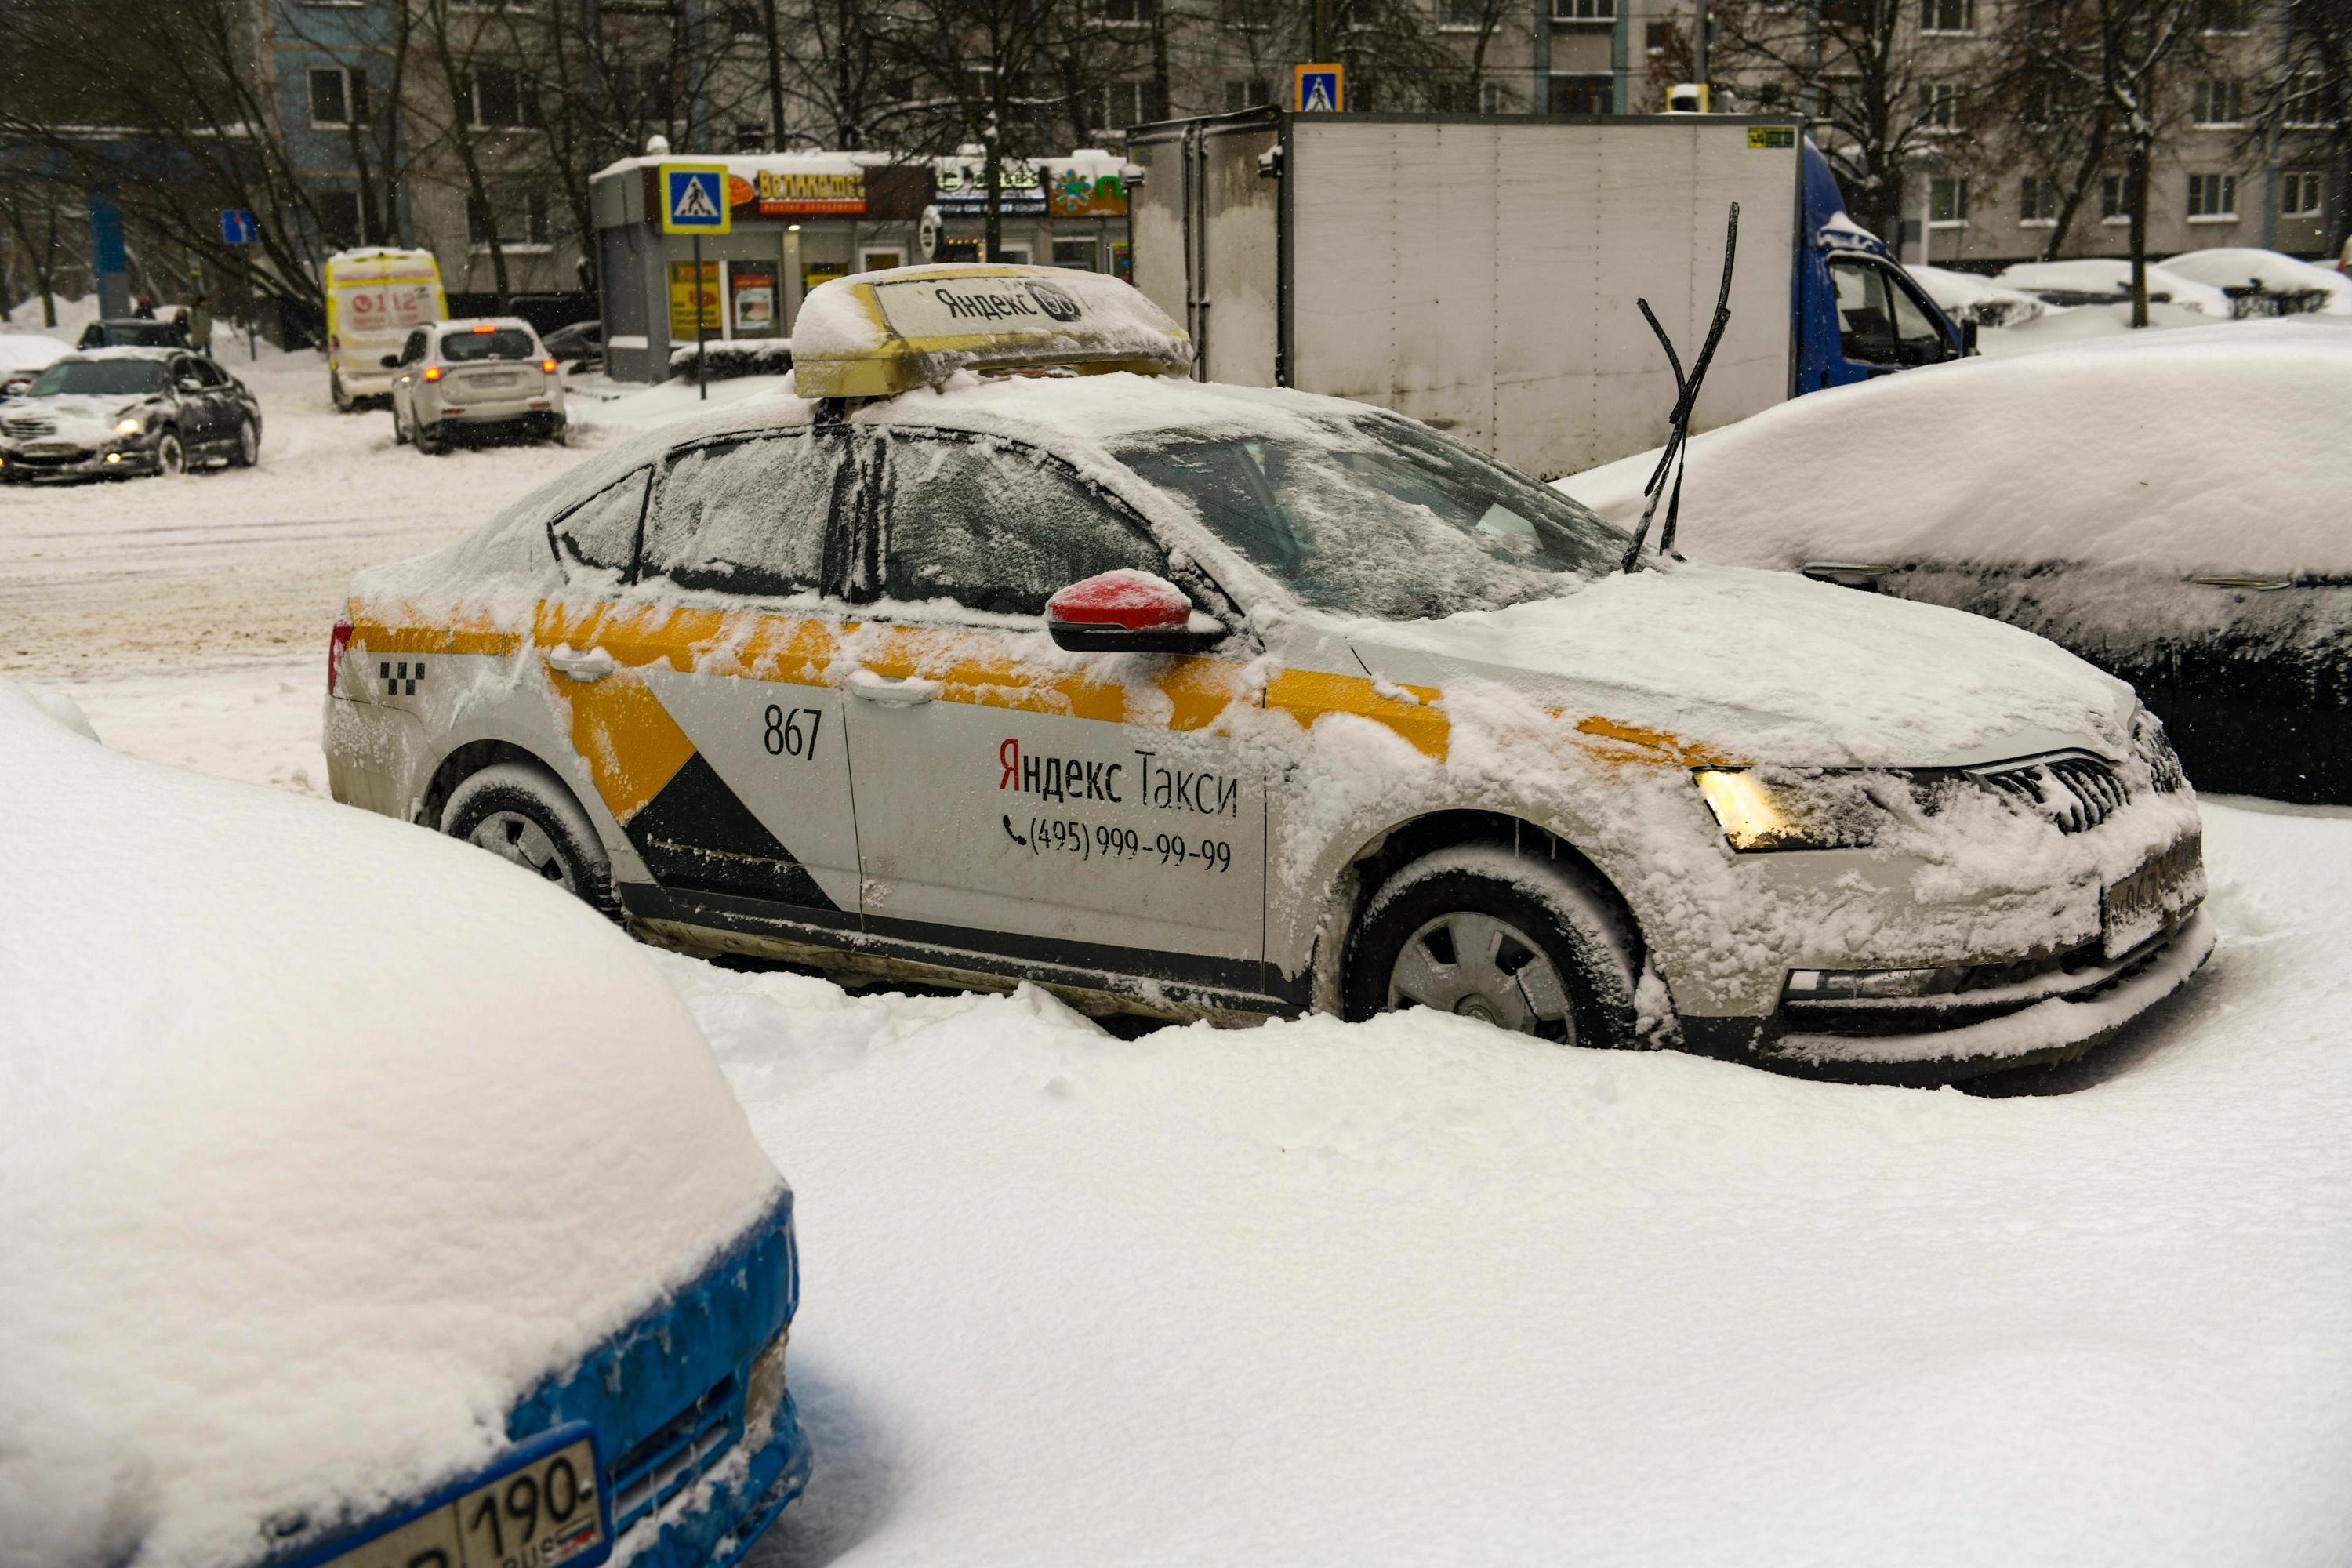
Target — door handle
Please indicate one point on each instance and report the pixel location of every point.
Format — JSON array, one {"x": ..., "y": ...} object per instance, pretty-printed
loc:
[
  {"x": 911, "y": 692},
  {"x": 583, "y": 663},
  {"x": 1860, "y": 575}
]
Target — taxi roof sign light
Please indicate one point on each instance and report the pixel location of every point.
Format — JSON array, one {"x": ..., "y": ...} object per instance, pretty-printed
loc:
[{"x": 875, "y": 334}]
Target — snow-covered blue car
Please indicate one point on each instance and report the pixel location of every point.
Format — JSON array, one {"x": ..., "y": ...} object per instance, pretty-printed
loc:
[{"x": 368, "y": 1204}]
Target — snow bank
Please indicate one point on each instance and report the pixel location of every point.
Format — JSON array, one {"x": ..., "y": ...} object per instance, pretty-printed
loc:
[
  {"x": 323, "y": 1139},
  {"x": 2234, "y": 267},
  {"x": 2220, "y": 449},
  {"x": 1965, "y": 297},
  {"x": 2106, "y": 275},
  {"x": 1416, "y": 1291},
  {"x": 28, "y": 351},
  {"x": 2063, "y": 324}
]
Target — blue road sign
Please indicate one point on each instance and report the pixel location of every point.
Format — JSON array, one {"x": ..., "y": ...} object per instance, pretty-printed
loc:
[
  {"x": 1319, "y": 88},
  {"x": 237, "y": 227},
  {"x": 694, "y": 199}
]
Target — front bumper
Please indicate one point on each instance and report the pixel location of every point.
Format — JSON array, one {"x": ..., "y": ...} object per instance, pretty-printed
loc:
[
  {"x": 2073, "y": 1005},
  {"x": 30, "y": 463}
]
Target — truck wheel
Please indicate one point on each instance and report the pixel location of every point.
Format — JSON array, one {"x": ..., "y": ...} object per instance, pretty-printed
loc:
[
  {"x": 1481, "y": 930},
  {"x": 521, "y": 812}
]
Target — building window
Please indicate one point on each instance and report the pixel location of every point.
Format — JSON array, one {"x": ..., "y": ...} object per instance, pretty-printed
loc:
[
  {"x": 2213, "y": 198},
  {"x": 1463, "y": 15},
  {"x": 1490, "y": 98},
  {"x": 1246, "y": 16},
  {"x": 1582, "y": 95},
  {"x": 489, "y": 5},
  {"x": 644, "y": 94},
  {"x": 1129, "y": 13},
  {"x": 2040, "y": 103},
  {"x": 2038, "y": 200},
  {"x": 1117, "y": 105},
  {"x": 2225, "y": 15},
  {"x": 499, "y": 98},
  {"x": 2220, "y": 102},
  {"x": 2302, "y": 193},
  {"x": 339, "y": 219},
  {"x": 339, "y": 98},
  {"x": 2115, "y": 192},
  {"x": 1247, "y": 92},
  {"x": 1948, "y": 16},
  {"x": 745, "y": 22},
  {"x": 2308, "y": 105},
  {"x": 1940, "y": 105},
  {"x": 520, "y": 213},
  {"x": 1583, "y": 10},
  {"x": 1947, "y": 202},
  {"x": 1081, "y": 255}
]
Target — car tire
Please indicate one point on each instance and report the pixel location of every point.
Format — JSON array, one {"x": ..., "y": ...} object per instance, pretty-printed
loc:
[
  {"x": 521, "y": 812},
  {"x": 247, "y": 450},
  {"x": 1526, "y": 943},
  {"x": 171, "y": 458},
  {"x": 428, "y": 439}
]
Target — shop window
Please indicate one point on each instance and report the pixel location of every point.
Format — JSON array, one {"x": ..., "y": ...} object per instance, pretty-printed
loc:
[
  {"x": 2302, "y": 193},
  {"x": 1079, "y": 254},
  {"x": 753, "y": 307},
  {"x": 877, "y": 259},
  {"x": 955, "y": 249},
  {"x": 2213, "y": 198},
  {"x": 339, "y": 98},
  {"x": 1582, "y": 95}
]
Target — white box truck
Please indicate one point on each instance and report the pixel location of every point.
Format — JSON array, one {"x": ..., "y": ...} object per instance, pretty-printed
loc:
[{"x": 1480, "y": 273}]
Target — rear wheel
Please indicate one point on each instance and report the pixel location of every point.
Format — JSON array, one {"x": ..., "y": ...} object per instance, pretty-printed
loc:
[
  {"x": 1526, "y": 945},
  {"x": 521, "y": 812},
  {"x": 343, "y": 401},
  {"x": 427, "y": 439}
]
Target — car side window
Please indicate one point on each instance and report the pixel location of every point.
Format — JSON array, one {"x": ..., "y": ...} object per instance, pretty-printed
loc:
[
  {"x": 208, "y": 373},
  {"x": 1917, "y": 339},
  {"x": 1865, "y": 329},
  {"x": 413, "y": 349},
  {"x": 996, "y": 526},
  {"x": 747, "y": 516},
  {"x": 602, "y": 532}
]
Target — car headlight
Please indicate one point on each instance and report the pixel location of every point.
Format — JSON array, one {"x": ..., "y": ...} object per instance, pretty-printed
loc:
[
  {"x": 128, "y": 425},
  {"x": 1788, "y": 808}
]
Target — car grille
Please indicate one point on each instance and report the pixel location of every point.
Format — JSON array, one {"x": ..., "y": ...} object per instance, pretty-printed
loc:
[
  {"x": 668, "y": 1461},
  {"x": 2072, "y": 789},
  {"x": 24, "y": 426}
]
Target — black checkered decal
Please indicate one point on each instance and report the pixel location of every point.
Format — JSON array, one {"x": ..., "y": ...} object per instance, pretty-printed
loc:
[{"x": 400, "y": 679}]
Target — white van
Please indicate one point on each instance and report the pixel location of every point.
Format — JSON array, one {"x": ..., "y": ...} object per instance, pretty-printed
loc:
[{"x": 375, "y": 296}]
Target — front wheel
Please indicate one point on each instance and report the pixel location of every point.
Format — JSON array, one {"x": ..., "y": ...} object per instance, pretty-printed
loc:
[
  {"x": 171, "y": 458},
  {"x": 1525, "y": 943},
  {"x": 248, "y": 445},
  {"x": 521, "y": 812}
]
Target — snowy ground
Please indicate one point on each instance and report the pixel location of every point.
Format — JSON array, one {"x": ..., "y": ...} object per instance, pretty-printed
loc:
[{"x": 1414, "y": 1290}]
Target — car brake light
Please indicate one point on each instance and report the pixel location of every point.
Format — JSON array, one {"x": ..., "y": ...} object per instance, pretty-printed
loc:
[
  {"x": 432, "y": 373},
  {"x": 548, "y": 365},
  {"x": 486, "y": 327},
  {"x": 337, "y": 641}
]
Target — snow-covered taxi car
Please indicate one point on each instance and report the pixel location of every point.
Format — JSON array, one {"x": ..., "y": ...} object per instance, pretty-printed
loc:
[
  {"x": 366, "y": 1205},
  {"x": 1200, "y": 700}
]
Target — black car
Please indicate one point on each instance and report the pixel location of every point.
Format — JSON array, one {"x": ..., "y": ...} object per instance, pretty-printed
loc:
[
  {"x": 112, "y": 413},
  {"x": 133, "y": 332},
  {"x": 581, "y": 343}
]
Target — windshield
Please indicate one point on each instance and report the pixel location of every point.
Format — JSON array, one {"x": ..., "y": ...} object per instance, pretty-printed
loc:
[
  {"x": 101, "y": 377},
  {"x": 500, "y": 342},
  {"x": 1382, "y": 518}
]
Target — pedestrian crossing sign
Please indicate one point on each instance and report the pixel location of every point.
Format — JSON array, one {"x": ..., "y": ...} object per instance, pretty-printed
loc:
[
  {"x": 694, "y": 199},
  {"x": 1320, "y": 88}
]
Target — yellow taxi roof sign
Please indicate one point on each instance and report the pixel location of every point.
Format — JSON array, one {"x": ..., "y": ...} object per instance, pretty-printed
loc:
[{"x": 875, "y": 334}]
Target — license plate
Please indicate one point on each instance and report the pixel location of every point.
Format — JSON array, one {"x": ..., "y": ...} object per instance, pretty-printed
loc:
[
  {"x": 544, "y": 1511},
  {"x": 2138, "y": 906},
  {"x": 53, "y": 449},
  {"x": 489, "y": 381}
]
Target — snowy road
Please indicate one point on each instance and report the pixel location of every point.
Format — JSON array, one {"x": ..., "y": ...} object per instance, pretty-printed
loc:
[{"x": 1416, "y": 1291}]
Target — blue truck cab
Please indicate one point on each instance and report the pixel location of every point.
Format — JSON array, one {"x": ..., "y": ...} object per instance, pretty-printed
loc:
[{"x": 1859, "y": 313}]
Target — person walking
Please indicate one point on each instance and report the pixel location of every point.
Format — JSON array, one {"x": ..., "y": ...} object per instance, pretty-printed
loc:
[{"x": 200, "y": 326}]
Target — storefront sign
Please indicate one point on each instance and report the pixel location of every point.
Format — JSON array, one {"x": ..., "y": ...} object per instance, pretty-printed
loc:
[
  {"x": 773, "y": 195},
  {"x": 965, "y": 190},
  {"x": 681, "y": 301},
  {"x": 1077, "y": 195}
]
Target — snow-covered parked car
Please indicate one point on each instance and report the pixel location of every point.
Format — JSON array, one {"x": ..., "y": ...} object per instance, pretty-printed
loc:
[
  {"x": 2106, "y": 280},
  {"x": 2170, "y": 506},
  {"x": 119, "y": 412},
  {"x": 366, "y": 1204},
  {"x": 1206, "y": 700},
  {"x": 2265, "y": 282},
  {"x": 1965, "y": 296}
]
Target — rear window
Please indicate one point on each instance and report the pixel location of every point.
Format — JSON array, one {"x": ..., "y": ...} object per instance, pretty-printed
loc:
[
  {"x": 101, "y": 378},
  {"x": 500, "y": 343}
]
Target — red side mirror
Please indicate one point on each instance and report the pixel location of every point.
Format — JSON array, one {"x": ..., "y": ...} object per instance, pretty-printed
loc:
[{"x": 1133, "y": 612}]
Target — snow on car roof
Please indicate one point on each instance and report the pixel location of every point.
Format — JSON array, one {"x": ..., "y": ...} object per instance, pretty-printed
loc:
[
  {"x": 325, "y": 1140},
  {"x": 2215, "y": 449},
  {"x": 2098, "y": 274},
  {"x": 2233, "y": 266}
]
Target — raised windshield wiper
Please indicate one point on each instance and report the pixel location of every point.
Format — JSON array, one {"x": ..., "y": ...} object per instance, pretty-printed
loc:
[{"x": 1686, "y": 398}]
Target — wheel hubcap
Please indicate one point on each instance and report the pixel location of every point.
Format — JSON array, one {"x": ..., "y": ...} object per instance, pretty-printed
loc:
[
  {"x": 1482, "y": 967},
  {"x": 513, "y": 837},
  {"x": 167, "y": 455}
]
